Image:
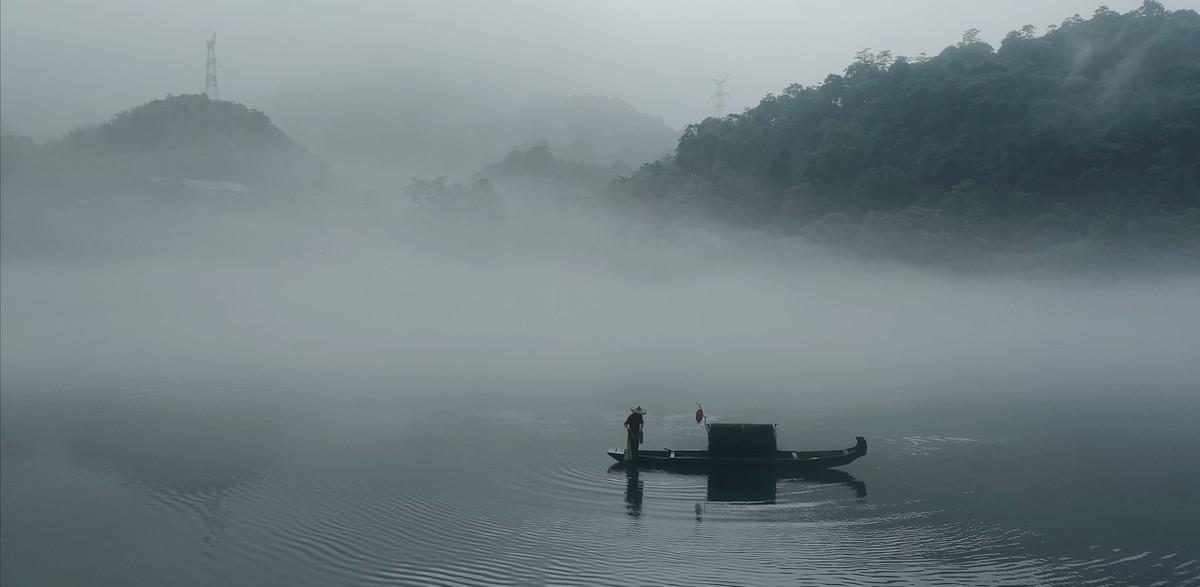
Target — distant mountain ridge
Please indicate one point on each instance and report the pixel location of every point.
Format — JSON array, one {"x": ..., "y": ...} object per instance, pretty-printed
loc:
[
  {"x": 601, "y": 130},
  {"x": 400, "y": 127}
]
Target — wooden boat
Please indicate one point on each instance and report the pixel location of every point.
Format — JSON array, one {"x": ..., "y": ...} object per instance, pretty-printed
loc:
[{"x": 742, "y": 445}]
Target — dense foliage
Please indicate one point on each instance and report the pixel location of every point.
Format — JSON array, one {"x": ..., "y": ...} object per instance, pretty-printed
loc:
[
  {"x": 453, "y": 217},
  {"x": 438, "y": 198},
  {"x": 539, "y": 162},
  {"x": 1090, "y": 131},
  {"x": 187, "y": 136}
]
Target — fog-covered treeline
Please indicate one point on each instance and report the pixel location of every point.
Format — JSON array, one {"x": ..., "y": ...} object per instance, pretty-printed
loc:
[
  {"x": 187, "y": 136},
  {"x": 1085, "y": 134},
  {"x": 1075, "y": 147}
]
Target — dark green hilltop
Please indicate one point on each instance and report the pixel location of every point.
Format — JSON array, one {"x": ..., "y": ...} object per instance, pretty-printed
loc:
[
  {"x": 187, "y": 136},
  {"x": 1085, "y": 136}
]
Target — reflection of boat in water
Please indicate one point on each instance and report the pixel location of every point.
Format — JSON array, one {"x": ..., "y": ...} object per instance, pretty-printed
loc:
[
  {"x": 760, "y": 486},
  {"x": 742, "y": 485},
  {"x": 742, "y": 446}
]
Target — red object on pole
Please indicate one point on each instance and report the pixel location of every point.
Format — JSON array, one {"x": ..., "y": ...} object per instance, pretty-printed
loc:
[{"x": 699, "y": 414}]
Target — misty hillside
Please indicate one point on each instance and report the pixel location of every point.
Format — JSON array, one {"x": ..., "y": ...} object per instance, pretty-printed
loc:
[
  {"x": 394, "y": 129},
  {"x": 601, "y": 130},
  {"x": 540, "y": 162},
  {"x": 188, "y": 136},
  {"x": 1089, "y": 131}
]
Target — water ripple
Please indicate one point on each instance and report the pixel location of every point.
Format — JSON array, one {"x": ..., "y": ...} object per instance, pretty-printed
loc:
[{"x": 567, "y": 524}]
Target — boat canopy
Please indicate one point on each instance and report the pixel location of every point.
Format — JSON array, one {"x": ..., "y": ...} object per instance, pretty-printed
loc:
[{"x": 741, "y": 440}]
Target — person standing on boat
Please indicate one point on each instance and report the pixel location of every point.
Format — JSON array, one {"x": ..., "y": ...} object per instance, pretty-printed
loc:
[{"x": 634, "y": 425}]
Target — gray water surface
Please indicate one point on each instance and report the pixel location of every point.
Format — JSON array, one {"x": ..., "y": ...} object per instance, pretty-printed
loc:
[
  {"x": 252, "y": 486},
  {"x": 379, "y": 415}
]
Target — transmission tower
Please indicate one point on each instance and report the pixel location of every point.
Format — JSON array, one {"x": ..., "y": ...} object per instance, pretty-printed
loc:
[
  {"x": 719, "y": 98},
  {"x": 210, "y": 79}
]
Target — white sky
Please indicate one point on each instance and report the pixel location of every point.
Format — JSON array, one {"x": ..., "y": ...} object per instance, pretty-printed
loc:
[{"x": 67, "y": 62}]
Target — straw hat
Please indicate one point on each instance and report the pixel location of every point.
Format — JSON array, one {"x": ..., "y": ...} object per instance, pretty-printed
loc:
[{"x": 638, "y": 410}]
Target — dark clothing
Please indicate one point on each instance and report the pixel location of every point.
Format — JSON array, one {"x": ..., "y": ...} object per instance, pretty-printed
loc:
[
  {"x": 634, "y": 424},
  {"x": 631, "y": 442}
]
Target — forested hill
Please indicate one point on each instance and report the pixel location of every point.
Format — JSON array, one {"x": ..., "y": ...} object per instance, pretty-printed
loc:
[
  {"x": 1088, "y": 131},
  {"x": 187, "y": 136}
]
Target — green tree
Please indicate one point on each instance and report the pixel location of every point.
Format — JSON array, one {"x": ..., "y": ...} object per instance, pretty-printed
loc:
[{"x": 1093, "y": 120}]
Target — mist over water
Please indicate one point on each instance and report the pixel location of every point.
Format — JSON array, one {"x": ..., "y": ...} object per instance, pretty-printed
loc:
[
  {"x": 561, "y": 296},
  {"x": 281, "y": 400},
  {"x": 256, "y": 335}
]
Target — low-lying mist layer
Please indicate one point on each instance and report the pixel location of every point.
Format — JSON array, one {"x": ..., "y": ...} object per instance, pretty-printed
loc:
[{"x": 565, "y": 300}]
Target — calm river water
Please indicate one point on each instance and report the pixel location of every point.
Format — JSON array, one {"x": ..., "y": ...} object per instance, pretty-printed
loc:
[{"x": 219, "y": 485}]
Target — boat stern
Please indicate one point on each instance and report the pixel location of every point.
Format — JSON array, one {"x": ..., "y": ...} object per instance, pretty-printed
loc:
[{"x": 860, "y": 446}]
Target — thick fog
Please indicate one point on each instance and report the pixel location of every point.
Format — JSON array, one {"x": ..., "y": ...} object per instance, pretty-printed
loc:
[
  {"x": 66, "y": 63},
  {"x": 569, "y": 301},
  {"x": 373, "y": 313},
  {"x": 351, "y": 289}
]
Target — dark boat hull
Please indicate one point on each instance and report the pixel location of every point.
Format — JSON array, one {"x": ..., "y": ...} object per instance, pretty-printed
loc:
[{"x": 668, "y": 459}]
